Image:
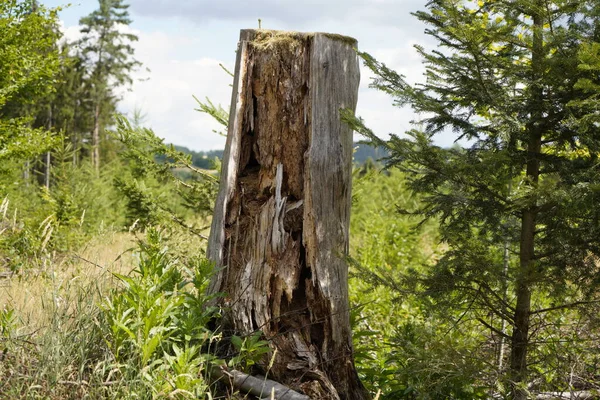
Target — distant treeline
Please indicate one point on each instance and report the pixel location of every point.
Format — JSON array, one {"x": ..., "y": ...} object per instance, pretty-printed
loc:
[
  {"x": 364, "y": 152},
  {"x": 200, "y": 159},
  {"x": 205, "y": 159}
]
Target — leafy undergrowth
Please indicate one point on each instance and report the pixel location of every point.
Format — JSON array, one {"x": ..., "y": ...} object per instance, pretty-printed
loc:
[{"x": 99, "y": 329}]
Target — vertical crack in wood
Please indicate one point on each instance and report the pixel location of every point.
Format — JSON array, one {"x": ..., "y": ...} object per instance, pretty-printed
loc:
[{"x": 283, "y": 220}]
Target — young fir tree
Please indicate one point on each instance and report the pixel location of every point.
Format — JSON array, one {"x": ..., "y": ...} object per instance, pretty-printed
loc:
[
  {"x": 68, "y": 109},
  {"x": 518, "y": 80},
  {"x": 73, "y": 109},
  {"x": 109, "y": 57}
]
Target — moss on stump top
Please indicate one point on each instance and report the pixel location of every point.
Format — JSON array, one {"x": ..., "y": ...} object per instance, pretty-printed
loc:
[{"x": 267, "y": 38}]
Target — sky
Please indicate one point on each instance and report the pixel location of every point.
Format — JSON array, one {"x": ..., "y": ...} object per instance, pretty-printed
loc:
[{"x": 182, "y": 42}]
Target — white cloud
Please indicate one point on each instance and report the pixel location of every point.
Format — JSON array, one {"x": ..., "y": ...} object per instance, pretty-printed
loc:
[
  {"x": 388, "y": 12},
  {"x": 70, "y": 33},
  {"x": 183, "y": 54},
  {"x": 404, "y": 60},
  {"x": 166, "y": 98},
  {"x": 164, "y": 94}
]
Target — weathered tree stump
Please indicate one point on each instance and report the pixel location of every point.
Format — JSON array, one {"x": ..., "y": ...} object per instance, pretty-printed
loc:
[{"x": 279, "y": 236}]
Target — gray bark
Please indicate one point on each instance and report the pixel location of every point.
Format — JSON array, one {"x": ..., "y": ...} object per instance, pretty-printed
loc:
[
  {"x": 260, "y": 387},
  {"x": 279, "y": 236},
  {"x": 96, "y": 139}
]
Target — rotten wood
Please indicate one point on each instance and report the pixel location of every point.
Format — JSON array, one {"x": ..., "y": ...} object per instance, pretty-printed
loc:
[{"x": 279, "y": 236}]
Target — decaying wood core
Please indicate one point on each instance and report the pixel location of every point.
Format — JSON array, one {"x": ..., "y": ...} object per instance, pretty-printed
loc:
[
  {"x": 264, "y": 219},
  {"x": 268, "y": 246}
]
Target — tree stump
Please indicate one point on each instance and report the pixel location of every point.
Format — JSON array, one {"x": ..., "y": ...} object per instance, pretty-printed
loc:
[{"x": 279, "y": 235}]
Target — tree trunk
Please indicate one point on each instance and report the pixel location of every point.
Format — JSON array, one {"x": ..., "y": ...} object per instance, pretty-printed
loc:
[
  {"x": 48, "y": 160},
  {"x": 74, "y": 142},
  {"x": 26, "y": 173},
  {"x": 501, "y": 345},
  {"x": 279, "y": 235},
  {"x": 526, "y": 273},
  {"x": 47, "y": 163},
  {"x": 96, "y": 139}
]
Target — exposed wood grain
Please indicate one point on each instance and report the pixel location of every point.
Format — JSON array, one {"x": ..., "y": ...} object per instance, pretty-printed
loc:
[
  {"x": 334, "y": 85},
  {"x": 230, "y": 164},
  {"x": 279, "y": 235}
]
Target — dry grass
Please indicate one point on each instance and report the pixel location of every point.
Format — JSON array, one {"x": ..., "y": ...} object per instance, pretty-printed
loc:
[
  {"x": 35, "y": 295},
  {"x": 53, "y": 344},
  {"x": 58, "y": 343}
]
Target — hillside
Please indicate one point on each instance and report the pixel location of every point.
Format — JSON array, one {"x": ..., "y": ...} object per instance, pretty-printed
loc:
[{"x": 204, "y": 159}]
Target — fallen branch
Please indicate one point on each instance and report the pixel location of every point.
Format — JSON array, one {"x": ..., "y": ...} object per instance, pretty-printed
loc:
[
  {"x": 260, "y": 387},
  {"x": 580, "y": 395}
]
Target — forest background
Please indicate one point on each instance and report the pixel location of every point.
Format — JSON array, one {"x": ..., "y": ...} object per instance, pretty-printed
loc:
[{"x": 474, "y": 269}]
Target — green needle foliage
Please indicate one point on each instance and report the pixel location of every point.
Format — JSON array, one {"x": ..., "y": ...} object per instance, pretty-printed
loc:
[
  {"x": 517, "y": 206},
  {"x": 154, "y": 191}
]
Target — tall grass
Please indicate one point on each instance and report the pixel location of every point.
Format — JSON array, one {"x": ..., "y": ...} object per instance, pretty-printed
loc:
[
  {"x": 52, "y": 344},
  {"x": 109, "y": 323}
]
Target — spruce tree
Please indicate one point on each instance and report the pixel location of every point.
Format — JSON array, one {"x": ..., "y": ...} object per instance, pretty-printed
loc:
[
  {"x": 73, "y": 108},
  {"x": 109, "y": 56},
  {"x": 519, "y": 81}
]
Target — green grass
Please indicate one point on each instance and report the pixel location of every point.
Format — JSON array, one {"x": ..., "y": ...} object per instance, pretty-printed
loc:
[{"x": 52, "y": 343}]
